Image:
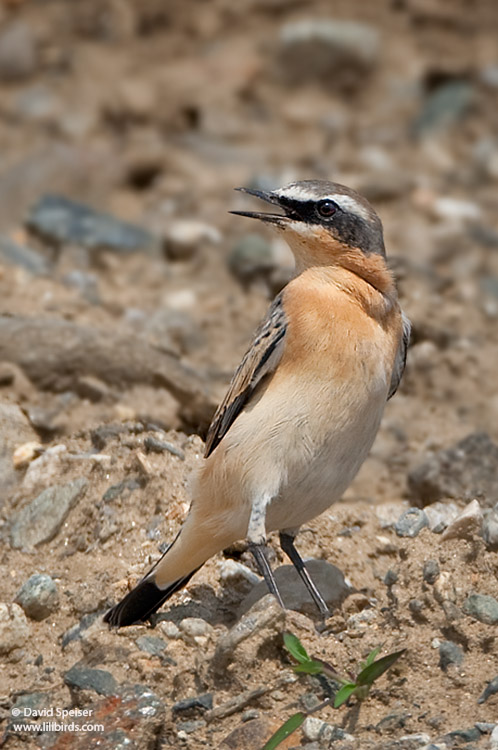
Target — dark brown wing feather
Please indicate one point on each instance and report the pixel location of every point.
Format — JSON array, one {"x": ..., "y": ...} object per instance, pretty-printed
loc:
[
  {"x": 400, "y": 361},
  {"x": 261, "y": 359}
]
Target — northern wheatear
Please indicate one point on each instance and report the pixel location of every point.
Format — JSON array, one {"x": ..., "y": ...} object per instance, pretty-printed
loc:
[{"x": 305, "y": 403}]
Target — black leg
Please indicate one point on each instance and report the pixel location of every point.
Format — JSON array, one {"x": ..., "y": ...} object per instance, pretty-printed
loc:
[
  {"x": 287, "y": 544},
  {"x": 258, "y": 550}
]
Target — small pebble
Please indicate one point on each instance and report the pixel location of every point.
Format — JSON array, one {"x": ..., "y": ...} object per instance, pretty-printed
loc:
[
  {"x": 467, "y": 524},
  {"x": 485, "y": 727},
  {"x": 251, "y": 713},
  {"x": 195, "y": 705},
  {"x": 494, "y": 739},
  {"x": 38, "y": 596},
  {"x": 482, "y": 607},
  {"x": 450, "y": 654},
  {"x": 193, "y": 627},
  {"x": 431, "y": 571},
  {"x": 316, "y": 729},
  {"x": 490, "y": 689},
  {"x": 490, "y": 528},
  {"x": 390, "y": 577},
  {"x": 411, "y": 522},
  {"x": 411, "y": 741},
  {"x": 14, "y": 627},
  {"x": 169, "y": 629}
]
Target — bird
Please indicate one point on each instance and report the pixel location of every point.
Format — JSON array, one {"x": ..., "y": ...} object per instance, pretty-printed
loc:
[{"x": 304, "y": 405}]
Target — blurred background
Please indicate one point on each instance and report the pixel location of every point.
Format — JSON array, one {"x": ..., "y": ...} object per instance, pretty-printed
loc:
[{"x": 128, "y": 294}]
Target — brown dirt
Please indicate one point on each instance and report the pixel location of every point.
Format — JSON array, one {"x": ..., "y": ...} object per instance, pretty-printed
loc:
[{"x": 158, "y": 111}]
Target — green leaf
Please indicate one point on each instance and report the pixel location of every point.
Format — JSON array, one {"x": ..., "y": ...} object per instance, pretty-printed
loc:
[
  {"x": 309, "y": 667},
  {"x": 344, "y": 693},
  {"x": 285, "y": 731},
  {"x": 295, "y": 648},
  {"x": 372, "y": 672},
  {"x": 371, "y": 657}
]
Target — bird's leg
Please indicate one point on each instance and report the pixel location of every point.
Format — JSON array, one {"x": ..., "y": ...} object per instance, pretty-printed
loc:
[
  {"x": 256, "y": 536},
  {"x": 287, "y": 544}
]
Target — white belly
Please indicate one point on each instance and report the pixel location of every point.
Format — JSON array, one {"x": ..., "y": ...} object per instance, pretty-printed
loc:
[
  {"x": 315, "y": 484},
  {"x": 307, "y": 449}
]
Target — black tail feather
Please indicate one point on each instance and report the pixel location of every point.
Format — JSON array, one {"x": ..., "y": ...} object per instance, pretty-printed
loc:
[{"x": 142, "y": 601}]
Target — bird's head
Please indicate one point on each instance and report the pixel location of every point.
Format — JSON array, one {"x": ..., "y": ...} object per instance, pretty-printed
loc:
[{"x": 324, "y": 223}]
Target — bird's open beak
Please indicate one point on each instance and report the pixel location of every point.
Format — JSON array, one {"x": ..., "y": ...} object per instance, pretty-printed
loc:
[{"x": 269, "y": 197}]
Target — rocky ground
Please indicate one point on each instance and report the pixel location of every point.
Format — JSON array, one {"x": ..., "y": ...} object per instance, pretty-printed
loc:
[{"x": 128, "y": 295}]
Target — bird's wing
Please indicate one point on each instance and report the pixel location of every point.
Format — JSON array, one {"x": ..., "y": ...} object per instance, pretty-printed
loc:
[
  {"x": 261, "y": 359},
  {"x": 400, "y": 360}
]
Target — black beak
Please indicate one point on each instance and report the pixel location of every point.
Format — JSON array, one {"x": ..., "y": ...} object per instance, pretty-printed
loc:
[{"x": 268, "y": 197}]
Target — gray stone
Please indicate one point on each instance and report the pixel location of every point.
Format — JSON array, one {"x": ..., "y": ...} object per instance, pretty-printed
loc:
[
  {"x": 192, "y": 706},
  {"x": 42, "y": 519},
  {"x": 462, "y": 735},
  {"x": 328, "y": 579},
  {"x": 38, "y": 596},
  {"x": 490, "y": 689},
  {"x": 84, "y": 678},
  {"x": 18, "y": 52},
  {"x": 450, "y": 654},
  {"x": 14, "y": 431},
  {"x": 151, "y": 644},
  {"x": 60, "y": 221},
  {"x": 494, "y": 739},
  {"x": 337, "y": 53},
  {"x": 490, "y": 528},
  {"x": 468, "y": 470},
  {"x": 431, "y": 571},
  {"x": 153, "y": 445},
  {"x": 411, "y": 522},
  {"x": 14, "y": 627},
  {"x": 250, "y": 258},
  {"x": 482, "y": 607},
  {"x": 15, "y": 254},
  {"x": 444, "y": 107},
  {"x": 485, "y": 727}
]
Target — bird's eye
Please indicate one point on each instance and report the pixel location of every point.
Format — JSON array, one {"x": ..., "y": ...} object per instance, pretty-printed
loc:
[{"x": 326, "y": 208}]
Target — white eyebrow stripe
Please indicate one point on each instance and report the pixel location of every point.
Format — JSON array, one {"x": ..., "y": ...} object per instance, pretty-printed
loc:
[{"x": 347, "y": 202}]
